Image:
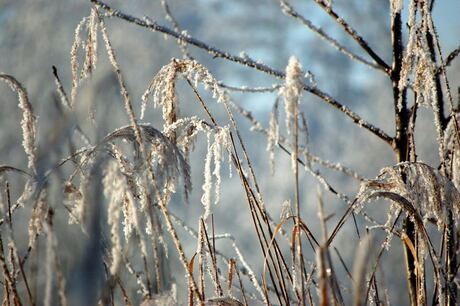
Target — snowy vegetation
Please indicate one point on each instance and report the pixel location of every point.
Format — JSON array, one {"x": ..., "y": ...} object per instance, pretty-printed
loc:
[{"x": 140, "y": 214}]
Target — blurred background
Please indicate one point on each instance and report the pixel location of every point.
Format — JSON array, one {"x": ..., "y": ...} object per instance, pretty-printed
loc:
[{"x": 35, "y": 35}]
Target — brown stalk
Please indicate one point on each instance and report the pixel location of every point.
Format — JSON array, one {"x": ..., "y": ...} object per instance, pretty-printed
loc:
[
  {"x": 260, "y": 209},
  {"x": 266, "y": 218},
  {"x": 257, "y": 224},
  {"x": 401, "y": 139},
  {"x": 211, "y": 249},
  {"x": 323, "y": 298},
  {"x": 14, "y": 253},
  {"x": 242, "y": 287},
  {"x": 123, "y": 292},
  {"x": 231, "y": 267},
  {"x": 10, "y": 284}
]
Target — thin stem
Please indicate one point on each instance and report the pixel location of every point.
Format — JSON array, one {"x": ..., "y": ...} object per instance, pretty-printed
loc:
[{"x": 297, "y": 198}]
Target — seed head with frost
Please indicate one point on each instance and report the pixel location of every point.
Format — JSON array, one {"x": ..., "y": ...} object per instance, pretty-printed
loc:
[
  {"x": 28, "y": 122},
  {"x": 417, "y": 188},
  {"x": 292, "y": 91},
  {"x": 88, "y": 46},
  {"x": 163, "y": 86},
  {"x": 114, "y": 190},
  {"x": 273, "y": 134}
]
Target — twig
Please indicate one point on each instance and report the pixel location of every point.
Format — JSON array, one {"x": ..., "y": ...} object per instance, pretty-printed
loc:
[
  {"x": 246, "y": 89},
  {"x": 289, "y": 10},
  {"x": 246, "y": 61},
  {"x": 256, "y": 126},
  {"x": 347, "y": 28},
  {"x": 452, "y": 55}
]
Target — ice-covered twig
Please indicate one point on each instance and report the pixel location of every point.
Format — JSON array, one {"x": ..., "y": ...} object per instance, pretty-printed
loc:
[
  {"x": 246, "y": 89},
  {"x": 246, "y": 61}
]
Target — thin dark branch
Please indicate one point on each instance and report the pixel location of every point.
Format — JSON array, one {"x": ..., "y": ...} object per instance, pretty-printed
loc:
[
  {"x": 352, "y": 115},
  {"x": 246, "y": 61},
  {"x": 450, "y": 58},
  {"x": 344, "y": 264},
  {"x": 190, "y": 40},
  {"x": 289, "y": 10},
  {"x": 358, "y": 38}
]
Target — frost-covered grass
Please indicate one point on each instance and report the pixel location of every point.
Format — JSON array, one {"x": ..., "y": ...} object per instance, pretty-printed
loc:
[{"x": 115, "y": 194}]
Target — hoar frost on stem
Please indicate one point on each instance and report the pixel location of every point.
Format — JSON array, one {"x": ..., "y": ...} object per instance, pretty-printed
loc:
[{"x": 419, "y": 62}]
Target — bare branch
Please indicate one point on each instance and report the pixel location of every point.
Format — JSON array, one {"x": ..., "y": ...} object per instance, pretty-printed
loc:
[
  {"x": 289, "y": 10},
  {"x": 347, "y": 28},
  {"x": 272, "y": 88},
  {"x": 246, "y": 61},
  {"x": 355, "y": 117},
  {"x": 450, "y": 58}
]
